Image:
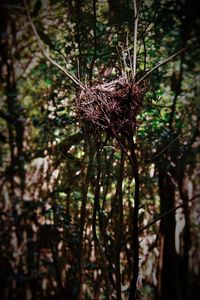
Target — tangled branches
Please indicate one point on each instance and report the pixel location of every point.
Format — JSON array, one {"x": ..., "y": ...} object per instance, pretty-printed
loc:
[{"x": 110, "y": 106}]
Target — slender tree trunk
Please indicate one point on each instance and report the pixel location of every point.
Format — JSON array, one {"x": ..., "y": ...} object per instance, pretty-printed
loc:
[
  {"x": 118, "y": 225},
  {"x": 11, "y": 113},
  {"x": 98, "y": 246},
  {"x": 184, "y": 259},
  {"x": 83, "y": 216},
  {"x": 14, "y": 114},
  {"x": 79, "y": 24},
  {"x": 135, "y": 240},
  {"x": 167, "y": 277}
]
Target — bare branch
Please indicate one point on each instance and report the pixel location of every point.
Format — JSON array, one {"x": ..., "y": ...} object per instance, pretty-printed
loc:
[
  {"x": 160, "y": 217},
  {"x": 136, "y": 16},
  {"x": 167, "y": 213},
  {"x": 68, "y": 74},
  {"x": 162, "y": 63}
]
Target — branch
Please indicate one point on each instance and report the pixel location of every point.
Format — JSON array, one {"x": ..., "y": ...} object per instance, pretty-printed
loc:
[
  {"x": 161, "y": 63},
  {"x": 160, "y": 217},
  {"x": 68, "y": 74},
  {"x": 136, "y": 16},
  {"x": 167, "y": 213},
  {"x": 163, "y": 150},
  {"x": 94, "y": 40}
]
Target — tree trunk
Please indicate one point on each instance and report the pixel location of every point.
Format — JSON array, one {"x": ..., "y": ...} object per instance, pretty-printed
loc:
[
  {"x": 167, "y": 277},
  {"x": 184, "y": 259},
  {"x": 135, "y": 236}
]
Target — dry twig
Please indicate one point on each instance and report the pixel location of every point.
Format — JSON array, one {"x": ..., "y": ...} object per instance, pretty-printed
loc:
[{"x": 68, "y": 74}]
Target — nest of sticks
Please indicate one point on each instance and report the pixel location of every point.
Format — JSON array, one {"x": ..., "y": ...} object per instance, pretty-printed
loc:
[{"x": 111, "y": 107}]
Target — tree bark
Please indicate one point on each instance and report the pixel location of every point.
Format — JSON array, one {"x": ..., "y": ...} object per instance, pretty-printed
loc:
[
  {"x": 167, "y": 277},
  {"x": 135, "y": 236},
  {"x": 184, "y": 259}
]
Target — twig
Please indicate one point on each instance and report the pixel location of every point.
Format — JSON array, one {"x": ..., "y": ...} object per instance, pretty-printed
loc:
[
  {"x": 94, "y": 2},
  {"x": 68, "y": 74},
  {"x": 161, "y": 63},
  {"x": 129, "y": 55},
  {"x": 136, "y": 16},
  {"x": 160, "y": 217},
  {"x": 169, "y": 144},
  {"x": 167, "y": 213},
  {"x": 163, "y": 150}
]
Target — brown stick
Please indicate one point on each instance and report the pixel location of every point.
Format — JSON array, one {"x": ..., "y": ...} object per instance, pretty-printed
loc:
[
  {"x": 83, "y": 215},
  {"x": 161, "y": 216},
  {"x": 167, "y": 213},
  {"x": 161, "y": 64},
  {"x": 136, "y": 16},
  {"x": 135, "y": 231}
]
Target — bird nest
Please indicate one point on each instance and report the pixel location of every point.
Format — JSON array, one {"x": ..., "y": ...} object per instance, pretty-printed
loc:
[{"x": 110, "y": 106}]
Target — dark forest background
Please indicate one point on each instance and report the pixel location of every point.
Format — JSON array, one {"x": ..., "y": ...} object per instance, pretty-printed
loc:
[{"x": 85, "y": 213}]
